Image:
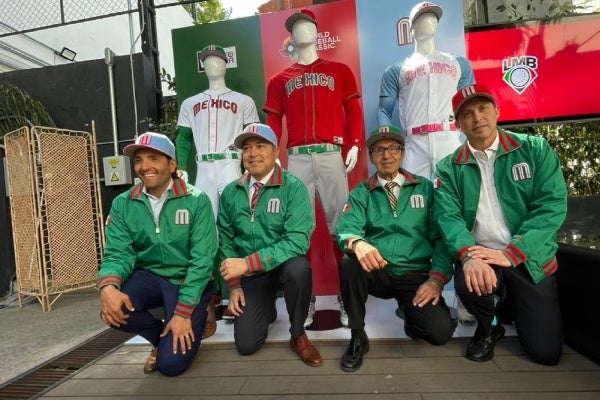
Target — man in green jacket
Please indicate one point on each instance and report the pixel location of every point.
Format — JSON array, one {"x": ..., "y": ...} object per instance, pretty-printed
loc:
[
  {"x": 160, "y": 246},
  {"x": 500, "y": 198},
  {"x": 264, "y": 226},
  {"x": 394, "y": 249}
]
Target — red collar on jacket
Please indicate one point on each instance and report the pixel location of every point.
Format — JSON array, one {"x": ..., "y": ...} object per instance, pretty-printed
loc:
[
  {"x": 276, "y": 178},
  {"x": 506, "y": 143},
  {"x": 373, "y": 181},
  {"x": 179, "y": 189}
]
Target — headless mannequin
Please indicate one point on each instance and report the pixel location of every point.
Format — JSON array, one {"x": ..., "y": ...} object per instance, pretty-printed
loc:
[{"x": 304, "y": 33}]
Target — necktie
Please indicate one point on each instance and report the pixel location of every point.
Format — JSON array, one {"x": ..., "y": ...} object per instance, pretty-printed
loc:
[
  {"x": 389, "y": 189},
  {"x": 257, "y": 186}
]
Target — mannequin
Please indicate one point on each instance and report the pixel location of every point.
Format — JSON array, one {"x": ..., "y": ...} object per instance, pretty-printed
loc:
[
  {"x": 422, "y": 87},
  {"x": 210, "y": 121},
  {"x": 320, "y": 101}
]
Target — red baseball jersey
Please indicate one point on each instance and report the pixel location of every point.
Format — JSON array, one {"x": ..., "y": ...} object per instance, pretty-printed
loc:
[{"x": 315, "y": 99}]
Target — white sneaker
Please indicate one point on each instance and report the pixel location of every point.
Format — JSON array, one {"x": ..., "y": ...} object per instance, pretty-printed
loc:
[
  {"x": 311, "y": 312},
  {"x": 343, "y": 314},
  {"x": 461, "y": 312}
]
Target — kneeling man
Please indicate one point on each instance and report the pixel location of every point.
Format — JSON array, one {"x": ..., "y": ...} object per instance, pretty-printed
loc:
[
  {"x": 393, "y": 249},
  {"x": 264, "y": 226}
]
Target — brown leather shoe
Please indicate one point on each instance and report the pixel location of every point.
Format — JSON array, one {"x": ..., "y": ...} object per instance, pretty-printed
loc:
[
  {"x": 211, "y": 321},
  {"x": 150, "y": 365},
  {"x": 307, "y": 352}
]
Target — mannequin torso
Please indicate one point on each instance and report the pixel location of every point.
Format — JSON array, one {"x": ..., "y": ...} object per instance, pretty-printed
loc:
[
  {"x": 209, "y": 122},
  {"x": 422, "y": 86}
]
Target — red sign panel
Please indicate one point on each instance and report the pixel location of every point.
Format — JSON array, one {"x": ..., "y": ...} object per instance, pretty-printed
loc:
[{"x": 540, "y": 72}]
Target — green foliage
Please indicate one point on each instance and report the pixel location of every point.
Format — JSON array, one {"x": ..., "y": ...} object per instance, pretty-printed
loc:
[
  {"x": 578, "y": 152},
  {"x": 18, "y": 109},
  {"x": 533, "y": 9},
  {"x": 168, "y": 124},
  {"x": 207, "y": 11}
]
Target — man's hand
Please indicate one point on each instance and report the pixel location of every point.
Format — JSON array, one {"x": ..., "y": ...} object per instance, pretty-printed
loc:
[
  {"x": 237, "y": 300},
  {"x": 428, "y": 291},
  {"x": 112, "y": 301},
  {"x": 183, "y": 335},
  {"x": 479, "y": 277},
  {"x": 368, "y": 256},
  {"x": 489, "y": 256},
  {"x": 351, "y": 158},
  {"x": 233, "y": 267}
]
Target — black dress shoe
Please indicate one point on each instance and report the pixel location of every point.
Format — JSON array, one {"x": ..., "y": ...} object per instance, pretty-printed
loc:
[
  {"x": 352, "y": 359},
  {"x": 482, "y": 348}
]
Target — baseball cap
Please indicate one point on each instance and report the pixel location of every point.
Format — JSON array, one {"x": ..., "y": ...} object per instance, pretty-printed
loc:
[
  {"x": 212, "y": 50},
  {"x": 152, "y": 141},
  {"x": 422, "y": 8},
  {"x": 466, "y": 93},
  {"x": 385, "y": 132},
  {"x": 297, "y": 16},
  {"x": 256, "y": 130}
]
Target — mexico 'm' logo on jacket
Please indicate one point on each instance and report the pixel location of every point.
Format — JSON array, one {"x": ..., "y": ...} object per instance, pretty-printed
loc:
[
  {"x": 521, "y": 171},
  {"x": 182, "y": 217}
]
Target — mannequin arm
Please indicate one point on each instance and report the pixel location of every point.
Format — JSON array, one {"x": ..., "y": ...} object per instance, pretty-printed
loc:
[
  {"x": 183, "y": 145},
  {"x": 274, "y": 121},
  {"x": 385, "y": 110},
  {"x": 354, "y": 122}
]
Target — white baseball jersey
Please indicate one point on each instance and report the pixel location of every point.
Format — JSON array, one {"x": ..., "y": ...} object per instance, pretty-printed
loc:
[
  {"x": 423, "y": 86},
  {"x": 216, "y": 118}
]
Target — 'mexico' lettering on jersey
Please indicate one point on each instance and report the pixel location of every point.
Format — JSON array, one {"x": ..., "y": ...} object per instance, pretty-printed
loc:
[
  {"x": 430, "y": 69},
  {"x": 309, "y": 79},
  {"x": 215, "y": 104}
]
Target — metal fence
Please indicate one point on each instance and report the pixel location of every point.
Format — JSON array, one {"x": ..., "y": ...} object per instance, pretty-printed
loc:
[{"x": 21, "y": 16}]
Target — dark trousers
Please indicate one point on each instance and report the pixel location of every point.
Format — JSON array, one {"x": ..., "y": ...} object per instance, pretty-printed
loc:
[
  {"x": 148, "y": 291},
  {"x": 431, "y": 323},
  {"x": 260, "y": 291},
  {"x": 534, "y": 307}
]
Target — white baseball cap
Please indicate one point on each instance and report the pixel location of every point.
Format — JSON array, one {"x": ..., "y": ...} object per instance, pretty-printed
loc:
[
  {"x": 422, "y": 8},
  {"x": 152, "y": 141},
  {"x": 256, "y": 130}
]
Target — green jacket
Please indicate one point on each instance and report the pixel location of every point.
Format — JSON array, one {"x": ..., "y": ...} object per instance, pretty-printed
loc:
[
  {"x": 408, "y": 240},
  {"x": 531, "y": 191},
  {"x": 181, "y": 248},
  {"x": 279, "y": 229}
]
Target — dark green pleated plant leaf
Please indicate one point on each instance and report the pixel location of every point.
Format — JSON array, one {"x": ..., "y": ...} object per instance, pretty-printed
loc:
[{"x": 18, "y": 109}]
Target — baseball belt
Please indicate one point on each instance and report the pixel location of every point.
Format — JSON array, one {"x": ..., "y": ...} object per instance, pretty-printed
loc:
[
  {"x": 314, "y": 149},
  {"x": 216, "y": 156},
  {"x": 428, "y": 128}
]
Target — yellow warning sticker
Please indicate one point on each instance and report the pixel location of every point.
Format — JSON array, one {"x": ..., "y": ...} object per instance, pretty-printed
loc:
[{"x": 114, "y": 177}]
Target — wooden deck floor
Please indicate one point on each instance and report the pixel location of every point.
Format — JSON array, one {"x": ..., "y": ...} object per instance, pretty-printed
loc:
[{"x": 401, "y": 369}]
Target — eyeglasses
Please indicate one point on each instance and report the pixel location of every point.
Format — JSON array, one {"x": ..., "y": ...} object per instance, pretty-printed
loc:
[{"x": 393, "y": 149}]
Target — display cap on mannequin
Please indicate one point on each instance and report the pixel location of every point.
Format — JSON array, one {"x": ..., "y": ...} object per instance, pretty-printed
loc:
[
  {"x": 212, "y": 50},
  {"x": 422, "y": 8},
  {"x": 297, "y": 16}
]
